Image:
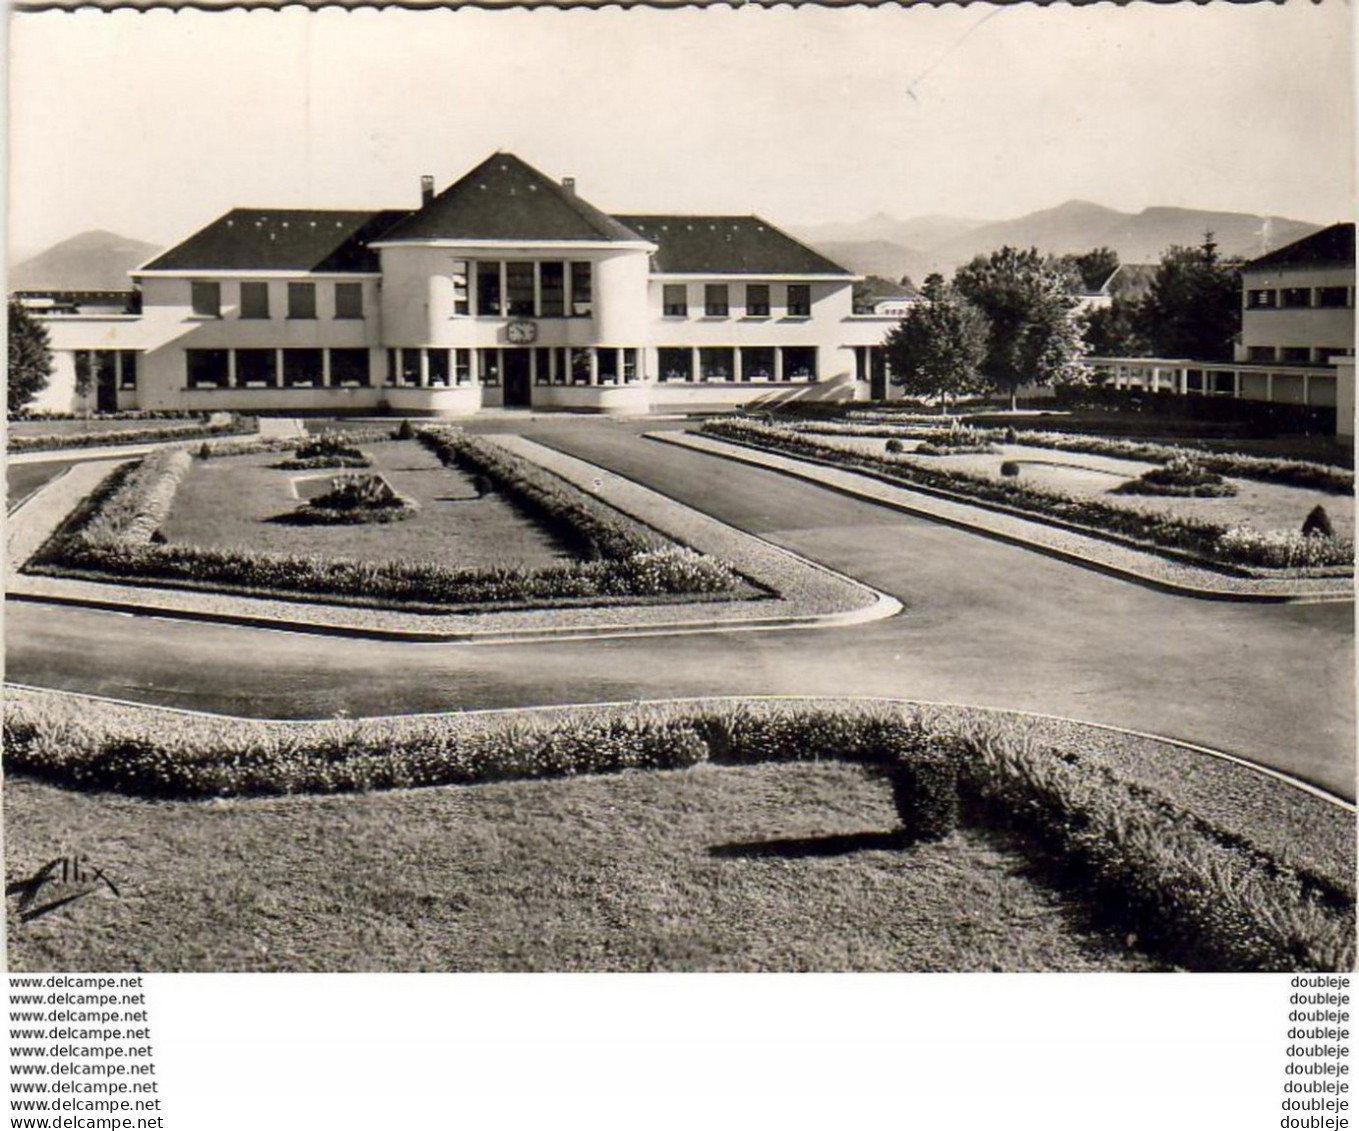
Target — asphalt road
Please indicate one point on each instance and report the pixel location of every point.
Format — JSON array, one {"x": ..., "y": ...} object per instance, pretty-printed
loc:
[{"x": 985, "y": 623}]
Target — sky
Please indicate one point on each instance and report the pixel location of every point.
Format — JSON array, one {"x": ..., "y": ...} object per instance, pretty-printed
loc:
[{"x": 150, "y": 125}]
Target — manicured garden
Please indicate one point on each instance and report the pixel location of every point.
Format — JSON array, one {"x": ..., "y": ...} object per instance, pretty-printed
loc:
[
  {"x": 480, "y": 528},
  {"x": 1225, "y": 510},
  {"x": 906, "y": 839}
]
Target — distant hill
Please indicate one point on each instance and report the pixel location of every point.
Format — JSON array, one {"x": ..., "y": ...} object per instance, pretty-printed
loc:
[
  {"x": 883, "y": 245},
  {"x": 91, "y": 261}
]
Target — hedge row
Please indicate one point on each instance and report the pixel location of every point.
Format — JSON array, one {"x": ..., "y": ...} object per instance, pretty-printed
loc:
[
  {"x": 1206, "y": 540},
  {"x": 1199, "y": 894},
  {"x": 590, "y": 527},
  {"x": 1262, "y": 469},
  {"x": 109, "y": 536},
  {"x": 235, "y": 426}
]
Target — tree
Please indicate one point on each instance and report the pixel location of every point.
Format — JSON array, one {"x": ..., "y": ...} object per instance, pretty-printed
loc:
[
  {"x": 1193, "y": 308},
  {"x": 1113, "y": 330},
  {"x": 938, "y": 347},
  {"x": 30, "y": 358},
  {"x": 1034, "y": 339},
  {"x": 1093, "y": 267}
]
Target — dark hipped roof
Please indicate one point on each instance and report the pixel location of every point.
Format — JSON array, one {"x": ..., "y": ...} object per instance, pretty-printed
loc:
[
  {"x": 278, "y": 239},
  {"x": 505, "y": 198},
  {"x": 1330, "y": 245},
  {"x": 727, "y": 245}
]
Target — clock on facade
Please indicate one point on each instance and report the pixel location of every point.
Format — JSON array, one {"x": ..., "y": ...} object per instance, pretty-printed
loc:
[{"x": 521, "y": 333}]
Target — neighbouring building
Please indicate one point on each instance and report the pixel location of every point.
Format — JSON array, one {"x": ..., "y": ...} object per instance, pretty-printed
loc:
[
  {"x": 1297, "y": 334},
  {"x": 506, "y": 289}
]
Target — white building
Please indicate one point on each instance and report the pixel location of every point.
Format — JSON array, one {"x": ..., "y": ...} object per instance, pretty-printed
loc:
[{"x": 506, "y": 289}]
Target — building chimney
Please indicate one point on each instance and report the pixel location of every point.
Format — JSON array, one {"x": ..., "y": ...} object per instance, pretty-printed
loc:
[
  {"x": 569, "y": 184},
  {"x": 426, "y": 189}
]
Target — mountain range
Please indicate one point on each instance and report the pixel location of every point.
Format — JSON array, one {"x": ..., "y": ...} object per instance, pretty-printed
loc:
[
  {"x": 879, "y": 245},
  {"x": 883, "y": 245}
]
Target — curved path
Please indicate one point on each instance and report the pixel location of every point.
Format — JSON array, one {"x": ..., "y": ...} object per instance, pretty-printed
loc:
[{"x": 985, "y": 623}]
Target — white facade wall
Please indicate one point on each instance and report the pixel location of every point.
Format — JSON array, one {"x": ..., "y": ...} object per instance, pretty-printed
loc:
[{"x": 1320, "y": 330}]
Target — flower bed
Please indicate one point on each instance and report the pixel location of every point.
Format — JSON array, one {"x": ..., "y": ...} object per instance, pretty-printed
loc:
[
  {"x": 1201, "y": 893},
  {"x": 235, "y": 426},
  {"x": 109, "y": 536},
  {"x": 1180, "y": 477},
  {"x": 356, "y": 499},
  {"x": 1200, "y": 539},
  {"x": 326, "y": 450}
]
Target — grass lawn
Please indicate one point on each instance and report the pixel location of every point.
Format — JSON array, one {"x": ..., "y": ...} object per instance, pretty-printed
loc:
[
  {"x": 230, "y": 501},
  {"x": 1265, "y": 506},
  {"x": 22, "y": 479},
  {"x": 774, "y": 867}
]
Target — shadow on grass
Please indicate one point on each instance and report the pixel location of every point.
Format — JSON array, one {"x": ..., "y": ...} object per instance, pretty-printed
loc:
[{"x": 841, "y": 844}]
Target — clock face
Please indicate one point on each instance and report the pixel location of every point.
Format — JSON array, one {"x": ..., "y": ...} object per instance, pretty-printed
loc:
[{"x": 521, "y": 332}]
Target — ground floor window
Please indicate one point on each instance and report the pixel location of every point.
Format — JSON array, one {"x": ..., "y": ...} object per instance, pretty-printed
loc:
[
  {"x": 436, "y": 364},
  {"x": 676, "y": 363},
  {"x": 799, "y": 363},
  {"x": 349, "y": 367},
  {"x": 489, "y": 366},
  {"x": 717, "y": 363},
  {"x": 303, "y": 368},
  {"x": 206, "y": 369},
  {"x": 757, "y": 363},
  {"x": 462, "y": 367},
  {"x": 580, "y": 367},
  {"x": 258, "y": 368}
]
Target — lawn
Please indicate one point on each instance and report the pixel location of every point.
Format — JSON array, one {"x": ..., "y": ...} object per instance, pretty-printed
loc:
[
  {"x": 1265, "y": 506},
  {"x": 236, "y": 500},
  {"x": 22, "y": 479},
  {"x": 773, "y": 867},
  {"x": 96, "y": 425}
]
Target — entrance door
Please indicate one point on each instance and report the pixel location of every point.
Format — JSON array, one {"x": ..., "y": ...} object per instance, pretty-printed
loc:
[
  {"x": 518, "y": 382},
  {"x": 106, "y": 382},
  {"x": 877, "y": 381}
]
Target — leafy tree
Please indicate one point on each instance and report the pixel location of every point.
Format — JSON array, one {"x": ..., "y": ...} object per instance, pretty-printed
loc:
[
  {"x": 1193, "y": 308},
  {"x": 1026, "y": 297},
  {"x": 938, "y": 347},
  {"x": 30, "y": 358},
  {"x": 1113, "y": 330},
  {"x": 1093, "y": 267}
]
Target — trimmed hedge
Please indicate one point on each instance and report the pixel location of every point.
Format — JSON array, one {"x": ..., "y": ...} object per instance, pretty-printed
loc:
[
  {"x": 235, "y": 426},
  {"x": 1205, "y": 540},
  {"x": 1204, "y": 896},
  {"x": 100, "y": 540}
]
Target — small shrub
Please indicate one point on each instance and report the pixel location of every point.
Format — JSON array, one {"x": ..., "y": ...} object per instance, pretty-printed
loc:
[
  {"x": 1182, "y": 476},
  {"x": 404, "y": 431},
  {"x": 894, "y": 447},
  {"x": 1009, "y": 468},
  {"x": 205, "y": 450},
  {"x": 925, "y": 793},
  {"x": 1011, "y": 436},
  {"x": 1318, "y": 524}
]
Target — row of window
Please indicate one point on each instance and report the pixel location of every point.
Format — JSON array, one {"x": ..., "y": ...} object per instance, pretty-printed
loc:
[
  {"x": 717, "y": 300},
  {"x": 205, "y": 298},
  {"x": 1300, "y": 355},
  {"x": 523, "y": 288},
  {"x": 272, "y": 368},
  {"x": 105, "y": 368},
  {"x": 732, "y": 363},
  {"x": 558, "y": 365},
  {"x": 1294, "y": 298}
]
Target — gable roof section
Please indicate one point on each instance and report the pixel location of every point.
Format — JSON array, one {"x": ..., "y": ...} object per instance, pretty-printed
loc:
[
  {"x": 1330, "y": 245},
  {"x": 728, "y": 245},
  {"x": 280, "y": 239},
  {"x": 505, "y": 198}
]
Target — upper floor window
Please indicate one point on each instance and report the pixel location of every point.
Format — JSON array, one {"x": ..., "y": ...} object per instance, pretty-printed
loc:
[
  {"x": 348, "y": 300},
  {"x": 519, "y": 289},
  {"x": 206, "y": 298},
  {"x": 488, "y": 287},
  {"x": 1295, "y": 296},
  {"x": 1333, "y": 296},
  {"x": 582, "y": 290},
  {"x": 552, "y": 289},
  {"x": 799, "y": 300},
  {"x": 301, "y": 300},
  {"x": 461, "y": 300},
  {"x": 254, "y": 300},
  {"x": 715, "y": 301},
  {"x": 757, "y": 300},
  {"x": 675, "y": 300},
  {"x": 1262, "y": 300}
]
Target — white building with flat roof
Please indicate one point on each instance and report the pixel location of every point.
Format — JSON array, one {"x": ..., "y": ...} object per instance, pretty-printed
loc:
[{"x": 507, "y": 289}]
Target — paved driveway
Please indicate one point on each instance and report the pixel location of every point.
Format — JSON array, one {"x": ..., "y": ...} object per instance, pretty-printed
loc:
[{"x": 985, "y": 623}]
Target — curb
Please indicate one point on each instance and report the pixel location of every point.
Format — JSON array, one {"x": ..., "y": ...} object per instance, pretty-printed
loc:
[{"x": 750, "y": 455}]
